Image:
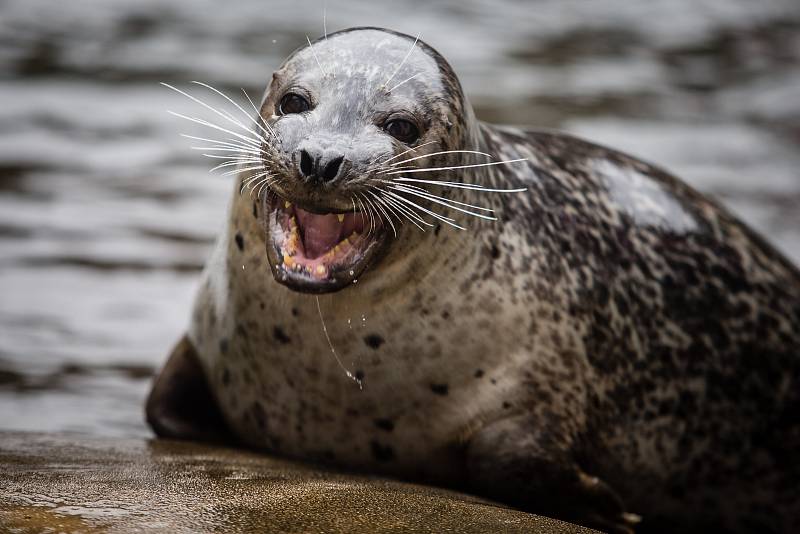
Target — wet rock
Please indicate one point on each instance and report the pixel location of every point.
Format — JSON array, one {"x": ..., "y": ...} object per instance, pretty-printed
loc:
[{"x": 61, "y": 483}]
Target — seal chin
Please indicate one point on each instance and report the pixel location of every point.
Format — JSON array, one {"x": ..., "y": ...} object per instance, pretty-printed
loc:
[{"x": 314, "y": 251}]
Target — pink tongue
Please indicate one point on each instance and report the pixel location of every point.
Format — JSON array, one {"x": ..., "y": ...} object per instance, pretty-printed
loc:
[{"x": 320, "y": 232}]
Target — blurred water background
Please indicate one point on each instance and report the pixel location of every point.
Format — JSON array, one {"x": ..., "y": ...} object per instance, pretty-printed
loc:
[{"x": 106, "y": 215}]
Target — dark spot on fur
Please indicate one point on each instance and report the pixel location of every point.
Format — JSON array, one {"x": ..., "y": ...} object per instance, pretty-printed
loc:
[
  {"x": 384, "y": 424},
  {"x": 373, "y": 341},
  {"x": 437, "y": 230},
  {"x": 494, "y": 252},
  {"x": 295, "y": 312},
  {"x": 506, "y": 405},
  {"x": 223, "y": 345},
  {"x": 226, "y": 377},
  {"x": 440, "y": 389},
  {"x": 239, "y": 241},
  {"x": 478, "y": 373},
  {"x": 445, "y": 315},
  {"x": 255, "y": 210},
  {"x": 382, "y": 453},
  {"x": 359, "y": 374},
  {"x": 280, "y": 335}
]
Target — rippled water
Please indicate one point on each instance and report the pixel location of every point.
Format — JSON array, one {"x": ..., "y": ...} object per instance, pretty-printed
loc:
[{"x": 106, "y": 216}]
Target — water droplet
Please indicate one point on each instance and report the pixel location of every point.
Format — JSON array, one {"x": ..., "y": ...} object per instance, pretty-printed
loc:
[
  {"x": 355, "y": 281},
  {"x": 352, "y": 273}
]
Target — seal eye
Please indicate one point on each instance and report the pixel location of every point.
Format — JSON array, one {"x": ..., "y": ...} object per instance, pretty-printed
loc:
[
  {"x": 293, "y": 103},
  {"x": 402, "y": 130}
]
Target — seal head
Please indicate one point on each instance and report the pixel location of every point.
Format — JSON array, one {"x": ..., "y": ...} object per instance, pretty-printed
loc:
[{"x": 343, "y": 113}]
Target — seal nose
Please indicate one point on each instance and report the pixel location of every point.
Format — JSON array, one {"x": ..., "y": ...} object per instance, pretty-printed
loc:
[{"x": 323, "y": 168}]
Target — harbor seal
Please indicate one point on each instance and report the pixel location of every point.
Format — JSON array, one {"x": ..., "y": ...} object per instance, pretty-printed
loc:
[{"x": 541, "y": 320}]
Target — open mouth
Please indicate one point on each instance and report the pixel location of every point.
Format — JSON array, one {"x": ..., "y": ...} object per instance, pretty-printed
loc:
[{"x": 319, "y": 252}]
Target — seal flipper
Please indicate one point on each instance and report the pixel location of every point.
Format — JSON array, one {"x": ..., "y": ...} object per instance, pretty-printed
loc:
[
  {"x": 180, "y": 404},
  {"x": 513, "y": 462}
]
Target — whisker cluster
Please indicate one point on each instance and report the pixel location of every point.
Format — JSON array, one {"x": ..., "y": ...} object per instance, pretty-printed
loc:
[
  {"x": 400, "y": 196},
  {"x": 245, "y": 150}
]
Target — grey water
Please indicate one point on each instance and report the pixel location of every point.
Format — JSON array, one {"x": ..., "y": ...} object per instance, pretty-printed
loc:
[{"x": 106, "y": 215}]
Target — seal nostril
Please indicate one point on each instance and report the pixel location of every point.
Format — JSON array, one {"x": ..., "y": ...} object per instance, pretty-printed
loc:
[
  {"x": 332, "y": 169},
  {"x": 306, "y": 164}
]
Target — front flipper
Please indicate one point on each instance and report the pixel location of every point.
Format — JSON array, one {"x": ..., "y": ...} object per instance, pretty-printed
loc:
[
  {"x": 181, "y": 405},
  {"x": 514, "y": 462}
]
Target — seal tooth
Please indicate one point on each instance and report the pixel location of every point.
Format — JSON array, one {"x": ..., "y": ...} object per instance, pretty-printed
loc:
[
  {"x": 287, "y": 205},
  {"x": 340, "y": 216},
  {"x": 321, "y": 269}
]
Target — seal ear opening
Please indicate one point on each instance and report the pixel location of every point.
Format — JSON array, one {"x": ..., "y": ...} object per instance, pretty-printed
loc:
[{"x": 180, "y": 404}]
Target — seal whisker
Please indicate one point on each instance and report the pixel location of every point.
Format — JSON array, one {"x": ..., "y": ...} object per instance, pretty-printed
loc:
[
  {"x": 227, "y": 149},
  {"x": 411, "y": 49},
  {"x": 315, "y": 56},
  {"x": 228, "y": 157},
  {"x": 442, "y": 152},
  {"x": 262, "y": 185},
  {"x": 249, "y": 183},
  {"x": 255, "y": 183},
  {"x": 333, "y": 351},
  {"x": 412, "y": 149},
  {"x": 404, "y": 81},
  {"x": 375, "y": 211},
  {"x": 275, "y": 134},
  {"x": 380, "y": 207},
  {"x": 232, "y": 143},
  {"x": 443, "y": 218},
  {"x": 268, "y": 130},
  {"x": 231, "y": 163},
  {"x": 380, "y": 170},
  {"x": 431, "y": 169},
  {"x": 413, "y": 216},
  {"x": 258, "y": 181},
  {"x": 426, "y": 192},
  {"x": 364, "y": 209},
  {"x": 376, "y": 216},
  {"x": 228, "y": 161},
  {"x": 249, "y": 140},
  {"x": 214, "y": 110},
  {"x": 447, "y": 203},
  {"x": 237, "y": 171},
  {"x": 325, "y": 19},
  {"x": 461, "y": 185},
  {"x": 392, "y": 207},
  {"x": 399, "y": 208}
]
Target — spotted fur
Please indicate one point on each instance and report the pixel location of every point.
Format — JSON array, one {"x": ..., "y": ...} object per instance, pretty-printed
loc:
[{"x": 615, "y": 342}]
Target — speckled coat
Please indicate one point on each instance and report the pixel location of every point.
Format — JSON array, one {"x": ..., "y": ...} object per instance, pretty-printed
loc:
[{"x": 615, "y": 342}]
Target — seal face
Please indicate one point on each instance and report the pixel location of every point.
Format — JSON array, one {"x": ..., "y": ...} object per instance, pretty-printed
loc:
[
  {"x": 336, "y": 124},
  {"x": 603, "y": 345}
]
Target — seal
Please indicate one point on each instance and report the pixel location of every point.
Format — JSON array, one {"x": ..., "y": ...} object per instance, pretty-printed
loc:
[{"x": 535, "y": 318}]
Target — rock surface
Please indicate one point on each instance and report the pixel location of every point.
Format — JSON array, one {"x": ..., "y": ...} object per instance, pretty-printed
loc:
[{"x": 64, "y": 483}]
